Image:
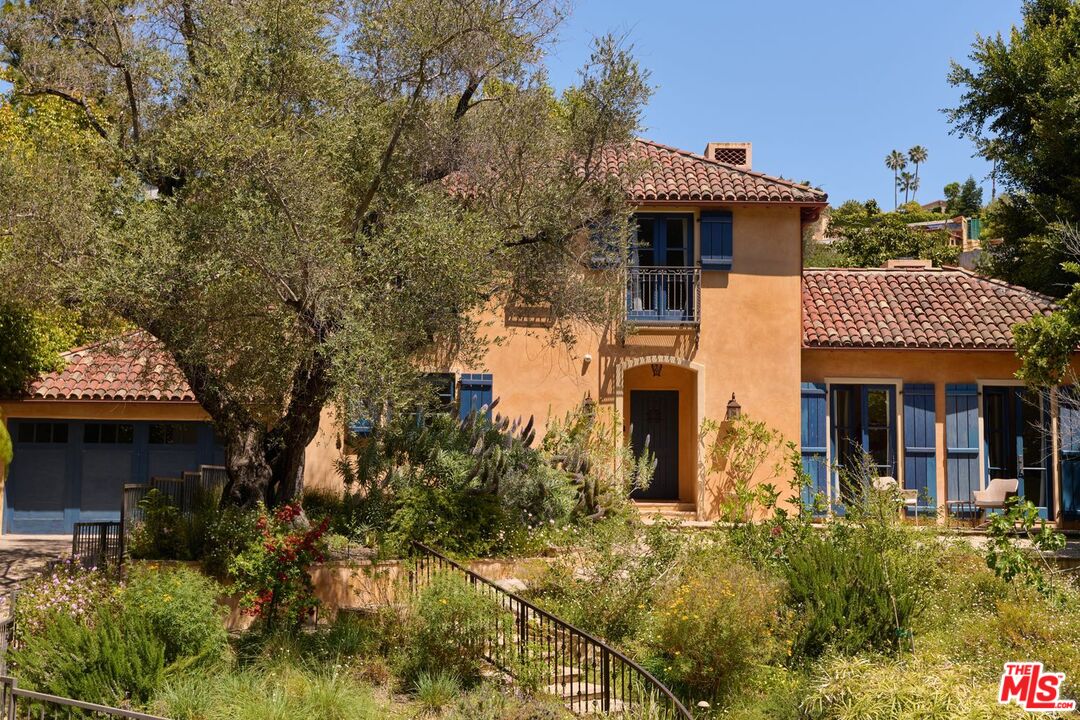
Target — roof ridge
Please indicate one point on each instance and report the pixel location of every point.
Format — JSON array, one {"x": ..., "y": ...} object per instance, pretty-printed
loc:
[
  {"x": 1011, "y": 286},
  {"x": 103, "y": 341},
  {"x": 734, "y": 168}
]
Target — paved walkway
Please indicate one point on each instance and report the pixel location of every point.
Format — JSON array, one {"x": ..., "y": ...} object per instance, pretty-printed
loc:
[{"x": 24, "y": 555}]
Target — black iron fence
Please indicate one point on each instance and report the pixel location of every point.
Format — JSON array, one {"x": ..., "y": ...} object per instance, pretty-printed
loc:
[
  {"x": 19, "y": 704},
  {"x": 588, "y": 674},
  {"x": 98, "y": 545},
  {"x": 7, "y": 629}
]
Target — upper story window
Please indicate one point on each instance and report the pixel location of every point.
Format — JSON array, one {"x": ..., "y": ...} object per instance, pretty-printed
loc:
[
  {"x": 42, "y": 432},
  {"x": 663, "y": 283},
  {"x": 664, "y": 240}
]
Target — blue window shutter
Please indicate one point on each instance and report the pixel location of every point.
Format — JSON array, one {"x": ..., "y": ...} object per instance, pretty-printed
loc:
[
  {"x": 716, "y": 240},
  {"x": 475, "y": 394},
  {"x": 814, "y": 460},
  {"x": 360, "y": 427},
  {"x": 920, "y": 451},
  {"x": 1069, "y": 434},
  {"x": 962, "y": 441}
]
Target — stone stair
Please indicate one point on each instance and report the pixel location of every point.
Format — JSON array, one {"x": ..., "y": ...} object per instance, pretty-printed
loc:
[{"x": 685, "y": 512}]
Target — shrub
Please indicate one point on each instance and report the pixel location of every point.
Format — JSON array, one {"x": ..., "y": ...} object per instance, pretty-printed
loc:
[
  {"x": 112, "y": 660},
  {"x": 489, "y": 702},
  {"x": 229, "y": 531},
  {"x": 715, "y": 623},
  {"x": 851, "y": 593},
  {"x": 280, "y": 692},
  {"x": 160, "y": 535},
  {"x": 625, "y": 566},
  {"x": 272, "y": 573},
  {"x": 869, "y": 688},
  {"x": 605, "y": 469},
  {"x": 436, "y": 690},
  {"x": 208, "y": 532},
  {"x": 181, "y": 607},
  {"x": 68, "y": 590},
  {"x": 447, "y": 624},
  {"x": 473, "y": 487}
]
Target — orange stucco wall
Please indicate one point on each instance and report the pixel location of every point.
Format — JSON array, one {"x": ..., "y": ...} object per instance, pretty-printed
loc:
[{"x": 748, "y": 345}]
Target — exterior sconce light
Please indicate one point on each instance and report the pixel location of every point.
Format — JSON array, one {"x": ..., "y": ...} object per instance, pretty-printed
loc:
[
  {"x": 734, "y": 409},
  {"x": 657, "y": 368},
  {"x": 588, "y": 406}
]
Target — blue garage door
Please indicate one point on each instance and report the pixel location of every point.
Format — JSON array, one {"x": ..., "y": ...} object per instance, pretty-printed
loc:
[{"x": 68, "y": 471}]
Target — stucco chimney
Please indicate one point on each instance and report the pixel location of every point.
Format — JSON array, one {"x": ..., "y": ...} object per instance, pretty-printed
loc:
[
  {"x": 908, "y": 264},
  {"x": 738, "y": 154}
]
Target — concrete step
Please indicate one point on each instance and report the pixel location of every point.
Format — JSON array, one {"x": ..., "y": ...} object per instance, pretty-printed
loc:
[
  {"x": 686, "y": 512},
  {"x": 576, "y": 692}
]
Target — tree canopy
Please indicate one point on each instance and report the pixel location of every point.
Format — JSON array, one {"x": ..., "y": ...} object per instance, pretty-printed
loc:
[
  {"x": 1021, "y": 105},
  {"x": 863, "y": 236},
  {"x": 305, "y": 202},
  {"x": 963, "y": 198}
]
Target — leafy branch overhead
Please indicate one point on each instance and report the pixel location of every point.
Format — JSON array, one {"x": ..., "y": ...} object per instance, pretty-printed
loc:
[{"x": 301, "y": 199}]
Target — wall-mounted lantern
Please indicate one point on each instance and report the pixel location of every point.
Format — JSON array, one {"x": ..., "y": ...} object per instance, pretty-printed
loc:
[
  {"x": 588, "y": 406},
  {"x": 734, "y": 409}
]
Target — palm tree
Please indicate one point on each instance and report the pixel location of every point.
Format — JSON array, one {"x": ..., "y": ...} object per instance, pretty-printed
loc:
[
  {"x": 909, "y": 183},
  {"x": 917, "y": 155},
  {"x": 896, "y": 162}
]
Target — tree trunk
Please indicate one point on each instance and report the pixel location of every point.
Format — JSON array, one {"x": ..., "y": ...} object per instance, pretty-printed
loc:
[
  {"x": 286, "y": 444},
  {"x": 263, "y": 465},
  {"x": 250, "y": 475}
]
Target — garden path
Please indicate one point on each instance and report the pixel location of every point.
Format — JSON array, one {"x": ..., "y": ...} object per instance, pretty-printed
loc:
[{"x": 24, "y": 555}]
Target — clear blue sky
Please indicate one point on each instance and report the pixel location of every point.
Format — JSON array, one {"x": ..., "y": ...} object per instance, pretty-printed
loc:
[{"x": 823, "y": 90}]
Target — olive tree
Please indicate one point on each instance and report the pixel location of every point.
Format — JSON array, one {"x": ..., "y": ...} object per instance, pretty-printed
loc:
[{"x": 304, "y": 201}]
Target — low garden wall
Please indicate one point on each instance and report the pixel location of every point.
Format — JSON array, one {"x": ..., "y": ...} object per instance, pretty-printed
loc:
[{"x": 366, "y": 584}]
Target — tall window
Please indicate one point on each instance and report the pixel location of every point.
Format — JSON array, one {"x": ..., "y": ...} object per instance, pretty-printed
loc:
[
  {"x": 863, "y": 434},
  {"x": 664, "y": 240},
  {"x": 1016, "y": 440}
]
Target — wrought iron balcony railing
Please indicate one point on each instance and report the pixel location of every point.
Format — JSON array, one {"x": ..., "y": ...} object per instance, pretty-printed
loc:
[{"x": 663, "y": 295}]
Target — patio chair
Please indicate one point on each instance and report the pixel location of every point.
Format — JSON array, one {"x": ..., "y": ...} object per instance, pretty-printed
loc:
[
  {"x": 994, "y": 496},
  {"x": 910, "y": 498}
]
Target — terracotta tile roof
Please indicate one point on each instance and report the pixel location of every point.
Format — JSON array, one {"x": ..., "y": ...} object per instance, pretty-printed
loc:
[
  {"x": 668, "y": 173},
  {"x": 924, "y": 308},
  {"x": 133, "y": 367}
]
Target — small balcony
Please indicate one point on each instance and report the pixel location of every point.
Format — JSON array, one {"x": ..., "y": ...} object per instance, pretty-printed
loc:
[{"x": 663, "y": 295}]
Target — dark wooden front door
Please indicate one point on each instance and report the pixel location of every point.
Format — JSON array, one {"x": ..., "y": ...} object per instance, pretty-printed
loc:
[{"x": 654, "y": 414}]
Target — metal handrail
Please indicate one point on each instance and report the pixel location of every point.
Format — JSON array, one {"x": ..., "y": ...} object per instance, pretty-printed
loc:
[
  {"x": 574, "y": 656},
  {"x": 52, "y": 707},
  {"x": 663, "y": 295}
]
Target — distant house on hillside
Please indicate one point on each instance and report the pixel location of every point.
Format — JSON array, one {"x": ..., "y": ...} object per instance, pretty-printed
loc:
[
  {"x": 935, "y": 206},
  {"x": 963, "y": 232}
]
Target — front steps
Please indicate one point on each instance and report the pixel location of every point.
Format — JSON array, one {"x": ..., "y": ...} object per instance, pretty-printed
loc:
[{"x": 680, "y": 511}]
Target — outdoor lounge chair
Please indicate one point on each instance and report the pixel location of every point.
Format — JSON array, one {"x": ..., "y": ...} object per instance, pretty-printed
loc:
[
  {"x": 994, "y": 496},
  {"x": 909, "y": 497}
]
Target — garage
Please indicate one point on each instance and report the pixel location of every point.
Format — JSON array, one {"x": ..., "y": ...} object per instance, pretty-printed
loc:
[{"x": 68, "y": 471}]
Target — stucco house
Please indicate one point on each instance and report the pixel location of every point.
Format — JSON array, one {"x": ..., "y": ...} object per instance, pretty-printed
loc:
[{"x": 912, "y": 365}]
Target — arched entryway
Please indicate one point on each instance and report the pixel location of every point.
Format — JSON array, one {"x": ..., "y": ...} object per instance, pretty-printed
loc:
[{"x": 661, "y": 400}]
